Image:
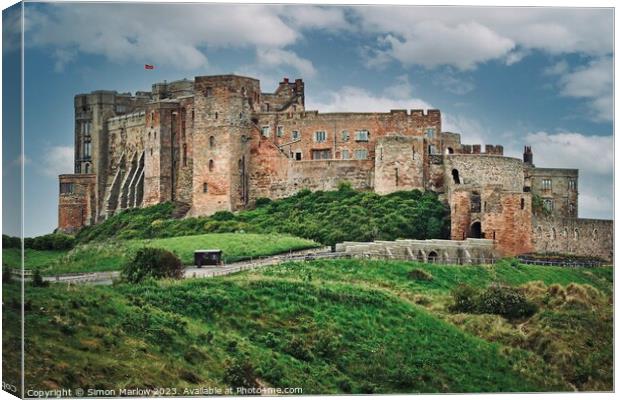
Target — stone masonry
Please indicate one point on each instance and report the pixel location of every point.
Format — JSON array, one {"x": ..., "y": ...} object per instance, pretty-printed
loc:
[{"x": 219, "y": 143}]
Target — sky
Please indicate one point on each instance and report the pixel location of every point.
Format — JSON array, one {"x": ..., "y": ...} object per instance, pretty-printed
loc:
[{"x": 512, "y": 76}]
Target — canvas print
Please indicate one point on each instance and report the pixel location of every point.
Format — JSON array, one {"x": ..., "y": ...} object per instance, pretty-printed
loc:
[{"x": 255, "y": 199}]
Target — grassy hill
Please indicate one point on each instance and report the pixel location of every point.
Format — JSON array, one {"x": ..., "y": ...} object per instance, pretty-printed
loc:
[
  {"x": 110, "y": 255},
  {"x": 325, "y": 217},
  {"x": 342, "y": 326}
]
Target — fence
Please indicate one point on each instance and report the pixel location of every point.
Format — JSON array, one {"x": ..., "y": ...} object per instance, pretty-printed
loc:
[{"x": 569, "y": 264}]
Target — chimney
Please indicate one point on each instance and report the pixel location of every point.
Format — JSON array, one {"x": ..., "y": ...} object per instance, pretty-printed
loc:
[{"x": 528, "y": 156}]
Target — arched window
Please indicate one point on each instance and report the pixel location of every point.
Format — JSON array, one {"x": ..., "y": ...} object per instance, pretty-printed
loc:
[
  {"x": 565, "y": 233},
  {"x": 449, "y": 150},
  {"x": 455, "y": 176},
  {"x": 522, "y": 203},
  {"x": 211, "y": 141},
  {"x": 594, "y": 233},
  {"x": 475, "y": 202},
  {"x": 553, "y": 234},
  {"x": 185, "y": 155},
  {"x": 413, "y": 153},
  {"x": 205, "y": 187},
  {"x": 475, "y": 230},
  {"x": 87, "y": 167},
  {"x": 432, "y": 257},
  {"x": 211, "y": 165},
  {"x": 576, "y": 234},
  {"x": 216, "y": 115}
]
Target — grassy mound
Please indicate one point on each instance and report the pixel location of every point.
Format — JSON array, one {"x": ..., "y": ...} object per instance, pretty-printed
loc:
[
  {"x": 341, "y": 326},
  {"x": 111, "y": 255},
  {"x": 325, "y": 217}
]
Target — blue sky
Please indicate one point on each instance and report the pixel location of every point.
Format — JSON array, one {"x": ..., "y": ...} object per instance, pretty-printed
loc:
[{"x": 511, "y": 76}]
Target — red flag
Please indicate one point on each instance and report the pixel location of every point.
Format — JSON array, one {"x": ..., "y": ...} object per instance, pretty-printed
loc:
[{"x": 149, "y": 66}]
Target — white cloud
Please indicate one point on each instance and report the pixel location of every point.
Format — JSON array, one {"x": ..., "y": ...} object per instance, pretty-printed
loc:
[
  {"x": 454, "y": 82},
  {"x": 401, "y": 89},
  {"x": 592, "y": 155},
  {"x": 57, "y": 160},
  {"x": 464, "y": 37},
  {"x": 355, "y": 99},
  {"x": 271, "y": 58},
  {"x": 594, "y": 83}
]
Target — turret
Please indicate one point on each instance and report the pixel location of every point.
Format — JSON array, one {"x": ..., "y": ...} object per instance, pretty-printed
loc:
[{"x": 528, "y": 156}]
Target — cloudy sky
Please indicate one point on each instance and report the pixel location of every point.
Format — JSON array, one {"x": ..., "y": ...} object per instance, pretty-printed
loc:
[{"x": 511, "y": 76}]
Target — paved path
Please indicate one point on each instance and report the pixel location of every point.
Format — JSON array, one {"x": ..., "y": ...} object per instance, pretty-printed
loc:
[{"x": 106, "y": 278}]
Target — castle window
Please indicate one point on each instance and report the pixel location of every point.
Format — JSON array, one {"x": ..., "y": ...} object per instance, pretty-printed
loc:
[
  {"x": 345, "y": 136},
  {"x": 216, "y": 115},
  {"x": 413, "y": 153},
  {"x": 86, "y": 128},
  {"x": 571, "y": 209},
  {"x": 595, "y": 234},
  {"x": 66, "y": 188},
  {"x": 155, "y": 135},
  {"x": 184, "y": 155},
  {"x": 86, "y": 168},
  {"x": 209, "y": 92},
  {"x": 475, "y": 202},
  {"x": 396, "y": 175},
  {"x": 553, "y": 234},
  {"x": 295, "y": 135},
  {"x": 86, "y": 150},
  {"x": 320, "y": 136},
  {"x": 152, "y": 118},
  {"x": 192, "y": 116},
  {"x": 546, "y": 184},
  {"x": 211, "y": 141},
  {"x": 455, "y": 176},
  {"x": 432, "y": 149},
  {"x": 211, "y": 165},
  {"x": 449, "y": 150},
  {"x": 572, "y": 184},
  {"x": 280, "y": 131},
  {"x": 121, "y": 108},
  {"x": 522, "y": 203},
  {"x": 564, "y": 233},
  {"x": 361, "y": 136},
  {"x": 430, "y": 132},
  {"x": 151, "y": 151},
  {"x": 548, "y": 204},
  {"x": 298, "y": 155},
  {"x": 321, "y": 154},
  {"x": 361, "y": 154},
  {"x": 576, "y": 234},
  {"x": 264, "y": 131},
  {"x": 345, "y": 154},
  {"x": 205, "y": 187}
]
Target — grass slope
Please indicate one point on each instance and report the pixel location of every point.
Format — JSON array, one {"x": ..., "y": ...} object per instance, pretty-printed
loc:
[
  {"x": 111, "y": 255},
  {"x": 326, "y": 326},
  {"x": 326, "y": 217}
]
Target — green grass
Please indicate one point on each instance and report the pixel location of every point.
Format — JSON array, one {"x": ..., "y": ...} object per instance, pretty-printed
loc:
[
  {"x": 342, "y": 326},
  {"x": 111, "y": 255},
  {"x": 326, "y": 217}
]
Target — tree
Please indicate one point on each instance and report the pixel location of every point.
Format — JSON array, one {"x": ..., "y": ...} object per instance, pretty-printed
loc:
[{"x": 152, "y": 262}]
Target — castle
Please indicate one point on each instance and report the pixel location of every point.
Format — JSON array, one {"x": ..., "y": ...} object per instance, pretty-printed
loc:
[{"x": 219, "y": 143}]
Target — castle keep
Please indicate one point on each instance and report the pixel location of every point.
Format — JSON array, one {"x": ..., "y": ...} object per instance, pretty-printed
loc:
[{"x": 219, "y": 143}]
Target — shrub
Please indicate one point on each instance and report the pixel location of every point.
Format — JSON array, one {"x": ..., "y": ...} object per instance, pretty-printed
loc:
[
  {"x": 37, "y": 279},
  {"x": 152, "y": 262},
  {"x": 420, "y": 275},
  {"x": 11, "y": 242},
  {"x": 239, "y": 372},
  {"x": 262, "y": 201},
  {"x": 7, "y": 276},
  {"x": 506, "y": 301},
  {"x": 53, "y": 241},
  {"x": 464, "y": 299}
]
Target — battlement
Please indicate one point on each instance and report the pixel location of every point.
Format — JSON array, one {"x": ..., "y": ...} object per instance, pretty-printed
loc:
[{"x": 496, "y": 150}]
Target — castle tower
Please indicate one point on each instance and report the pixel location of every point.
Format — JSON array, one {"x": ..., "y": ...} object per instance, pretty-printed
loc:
[
  {"x": 528, "y": 156},
  {"x": 223, "y": 107}
]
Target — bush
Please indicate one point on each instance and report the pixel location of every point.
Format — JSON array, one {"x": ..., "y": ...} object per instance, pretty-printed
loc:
[
  {"x": 53, "y": 241},
  {"x": 37, "y": 279},
  {"x": 464, "y": 299},
  {"x": 420, "y": 275},
  {"x": 262, "y": 201},
  {"x": 239, "y": 372},
  {"x": 11, "y": 242},
  {"x": 7, "y": 276},
  {"x": 154, "y": 263},
  {"x": 506, "y": 301}
]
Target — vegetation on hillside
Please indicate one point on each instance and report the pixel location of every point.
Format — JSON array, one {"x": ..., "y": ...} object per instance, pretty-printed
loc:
[
  {"x": 326, "y": 217},
  {"x": 111, "y": 255},
  {"x": 342, "y": 326}
]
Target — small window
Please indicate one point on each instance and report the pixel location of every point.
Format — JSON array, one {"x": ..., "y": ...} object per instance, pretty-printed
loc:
[
  {"x": 208, "y": 93},
  {"x": 152, "y": 118},
  {"x": 87, "y": 147},
  {"x": 185, "y": 155},
  {"x": 572, "y": 184},
  {"x": 361, "y": 154},
  {"x": 475, "y": 202},
  {"x": 211, "y": 165},
  {"x": 571, "y": 209},
  {"x": 211, "y": 141},
  {"x": 345, "y": 154},
  {"x": 553, "y": 234},
  {"x": 121, "y": 108},
  {"x": 455, "y": 177},
  {"x": 522, "y": 203},
  {"x": 325, "y": 154},
  {"x": 265, "y": 131},
  {"x": 576, "y": 234},
  {"x": 298, "y": 156},
  {"x": 361, "y": 136},
  {"x": 192, "y": 115},
  {"x": 595, "y": 234},
  {"x": 295, "y": 135},
  {"x": 546, "y": 184},
  {"x": 345, "y": 136},
  {"x": 280, "y": 131},
  {"x": 320, "y": 136},
  {"x": 548, "y": 204},
  {"x": 205, "y": 187},
  {"x": 430, "y": 133},
  {"x": 432, "y": 149},
  {"x": 66, "y": 188},
  {"x": 86, "y": 168},
  {"x": 217, "y": 115}
]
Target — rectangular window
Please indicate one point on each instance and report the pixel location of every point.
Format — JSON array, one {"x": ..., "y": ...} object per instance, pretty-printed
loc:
[
  {"x": 361, "y": 136},
  {"x": 298, "y": 156},
  {"x": 66, "y": 188},
  {"x": 572, "y": 184},
  {"x": 430, "y": 133},
  {"x": 208, "y": 92},
  {"x": 86, "y": 150},
  {"x": 280, "y": 131},
  {"x": 546, "y": 184},
  {"x": 361, "y": 154},
  {"x": 548, "y": 204},
  {"x": 345, "y": 154},
  {"x": 86, "y": 128},
  {"x": 121, "y": 108},
  {"x": 432, "y": 149},
  {"x": 345, "y": 136},
  {"x": 264, "y": 131},
  {"x": 295, "y": 135},
  {"x": 320, "y": 136},
  {"x": 205, "y": 188},
  {"x": 321, "y": 154}
]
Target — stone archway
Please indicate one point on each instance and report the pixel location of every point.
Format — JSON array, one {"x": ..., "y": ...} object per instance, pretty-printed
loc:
[
  {"x": 475, "y": 230},
  {"x": 433, "y": 257}
]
